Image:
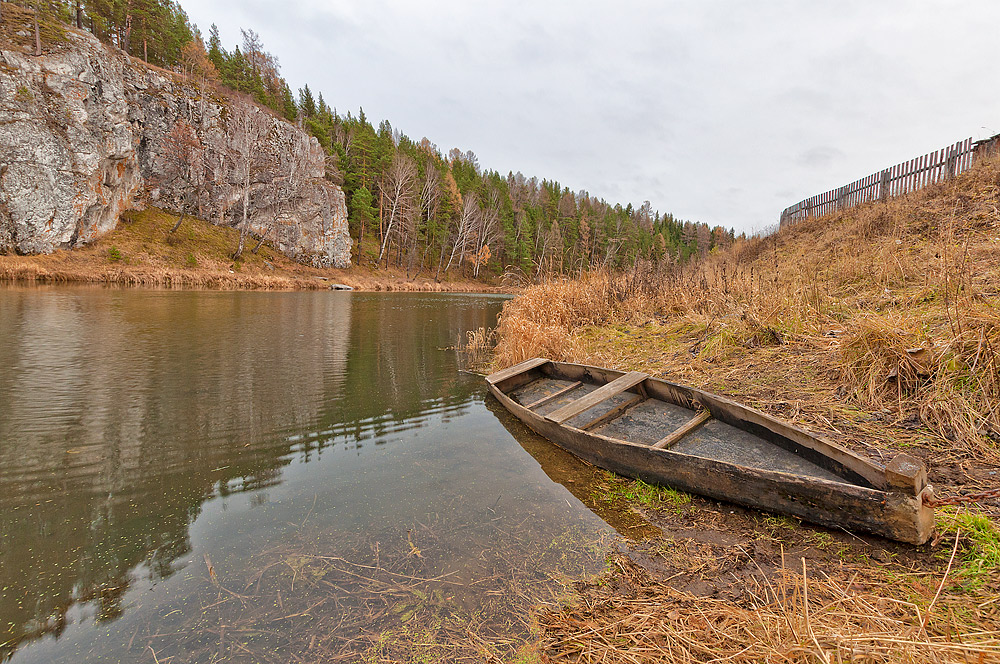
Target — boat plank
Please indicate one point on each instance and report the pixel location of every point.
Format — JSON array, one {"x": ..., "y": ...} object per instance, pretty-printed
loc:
[
  {"x": 677, "y": 434},
  {"x": 555, "y": 395},
  {"x": 510, "y": 372},
  {"x": 617, "y": 386},
  {"x": 613, "y": 413},
  {"x": 646, "y": 422}
]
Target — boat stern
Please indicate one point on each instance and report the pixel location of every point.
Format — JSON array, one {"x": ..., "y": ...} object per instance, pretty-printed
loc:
[{"x": 911, "y": 520}]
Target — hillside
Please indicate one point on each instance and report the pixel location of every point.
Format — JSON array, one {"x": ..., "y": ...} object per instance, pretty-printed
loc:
[
  {"x": 90, "y": 132},
  {"x": 878, "y": 327},
  {"x": 156, "y": 113},
  {"x": 144, "y": 250}
]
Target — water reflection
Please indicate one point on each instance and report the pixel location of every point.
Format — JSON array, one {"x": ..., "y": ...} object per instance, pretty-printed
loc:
[
  {"x": 124, "y": 414},
  {"x": 584, "y": 481}
]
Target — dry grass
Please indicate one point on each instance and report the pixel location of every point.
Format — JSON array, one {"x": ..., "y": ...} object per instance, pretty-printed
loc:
[
  {"x": 540, "y": 322},
  {"x": 17, "y": 30},
  {"x": 792, "y": 616},
  {"x": 893, "y": 306}
]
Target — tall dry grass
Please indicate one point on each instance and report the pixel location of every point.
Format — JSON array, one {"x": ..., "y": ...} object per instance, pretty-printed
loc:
[
  {"x": 902, "y": 297},
  {"x": 540, "y": 322},
  {"x": 798, "y": 617}
]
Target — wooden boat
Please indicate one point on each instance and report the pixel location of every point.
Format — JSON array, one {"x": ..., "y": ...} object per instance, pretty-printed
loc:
[{"x": 647, "y": 428}]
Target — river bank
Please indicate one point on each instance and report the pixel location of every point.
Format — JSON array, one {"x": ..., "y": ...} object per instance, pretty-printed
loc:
[
  {"x": 144, "y": 252},
  {"x": 878, "y": 328}
]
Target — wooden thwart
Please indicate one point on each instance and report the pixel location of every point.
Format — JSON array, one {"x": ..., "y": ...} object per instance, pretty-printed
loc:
[
  {"x": 554, "y": 395},
  {"x": 613, "y": 413},
  {"x": 586, "y": 402},
  {"x": 510, "y": 372},
  {"x": 674, "y": 436}
]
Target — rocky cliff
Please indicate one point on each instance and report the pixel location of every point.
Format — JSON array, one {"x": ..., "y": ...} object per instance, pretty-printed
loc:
[{"x": 87, "y": 132}]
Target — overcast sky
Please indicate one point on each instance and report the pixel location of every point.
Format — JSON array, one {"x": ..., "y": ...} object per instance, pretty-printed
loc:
[{"x": 724, "y": 112}]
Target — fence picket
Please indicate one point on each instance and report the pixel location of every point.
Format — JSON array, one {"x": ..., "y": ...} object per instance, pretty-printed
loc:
[{"x": 899, "y": 179}]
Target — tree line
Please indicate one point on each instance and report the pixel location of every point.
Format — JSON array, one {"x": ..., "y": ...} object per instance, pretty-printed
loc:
[{"x": 410, "y": 204}]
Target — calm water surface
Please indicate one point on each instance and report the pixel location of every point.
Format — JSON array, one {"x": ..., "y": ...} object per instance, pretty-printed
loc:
[{"x": 203, "y": 475}]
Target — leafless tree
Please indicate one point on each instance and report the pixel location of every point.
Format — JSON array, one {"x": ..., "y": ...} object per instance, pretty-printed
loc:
[
  {"x": 399, "y": 199},
  {"x": 288, "y": 180},
  {"x": 430, "y": 192},
  {"x": 487, "y": 231},
  {"x": 550, "y": 257},
  {"x": 195, "y": 63},
  {"x": 343, "y": 136},
  {"x": 182, "y": 167},
  {"x": 38, "y": 37},
  {"x": 465, "y": 233},
  {"x": 265, "y": 64},
  {"x": 248, "y": 126}
]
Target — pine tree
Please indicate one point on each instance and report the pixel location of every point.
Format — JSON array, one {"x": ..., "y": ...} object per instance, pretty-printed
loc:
[
  {"x": 216, "y": 53},
  {"x": 307, "y": 105}
]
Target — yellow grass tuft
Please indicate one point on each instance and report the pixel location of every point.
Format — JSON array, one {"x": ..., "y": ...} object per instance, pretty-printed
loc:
[{"x": 795, "y": 618}]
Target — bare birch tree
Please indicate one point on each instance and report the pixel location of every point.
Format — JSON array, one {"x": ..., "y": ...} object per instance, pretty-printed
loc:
[
  {"x": 38, "y": 38},
  {"x": 430, "y": 193},
  {"x": 248, "y": 126},
  {"x": 487, "y": 231},
  {"x": 465, "y": 233},
  {"x": 182, "y": 167},
  {"x": 399, "y": 197}
]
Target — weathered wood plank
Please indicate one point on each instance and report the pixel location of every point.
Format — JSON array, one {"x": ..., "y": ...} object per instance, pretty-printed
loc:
[
  {"x": 570, "y": 410},
  {"x": 510, "y": 372},
  {"x": 677, "y": 434},
  {"x": 613, "y": 413},
  {"x": 553, "y": 396}
]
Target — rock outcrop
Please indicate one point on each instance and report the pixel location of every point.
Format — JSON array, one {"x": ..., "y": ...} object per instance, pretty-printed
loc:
[{"x": 87, "y": 132}]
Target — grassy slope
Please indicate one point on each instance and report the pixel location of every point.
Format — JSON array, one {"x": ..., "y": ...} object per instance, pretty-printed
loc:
[
  {"x": 143, "y": 252},
  {"x": 878, "y": 327}
]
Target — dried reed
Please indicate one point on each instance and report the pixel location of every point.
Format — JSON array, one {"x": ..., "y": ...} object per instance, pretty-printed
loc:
[{"x": 792, "y": 617}]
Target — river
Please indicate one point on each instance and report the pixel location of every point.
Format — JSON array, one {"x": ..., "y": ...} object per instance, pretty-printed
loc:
[{"x": 195, "y": 476}]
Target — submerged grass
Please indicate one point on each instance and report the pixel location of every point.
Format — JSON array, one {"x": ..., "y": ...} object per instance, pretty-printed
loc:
[
  {"x": 616, "y": 490},
  {"x": 318, "y": 596}
]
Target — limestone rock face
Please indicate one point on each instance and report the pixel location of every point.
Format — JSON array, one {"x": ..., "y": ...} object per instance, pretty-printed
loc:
[{"x": 86, "y": 133}]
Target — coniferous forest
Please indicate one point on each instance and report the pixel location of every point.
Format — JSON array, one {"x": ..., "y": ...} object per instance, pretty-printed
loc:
[{"x": 410, "y": 204}]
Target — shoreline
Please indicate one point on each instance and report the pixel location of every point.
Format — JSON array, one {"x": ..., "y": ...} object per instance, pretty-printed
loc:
[
  {"x": 144, "y": 252},
  {"x": 21, "y": 270}
]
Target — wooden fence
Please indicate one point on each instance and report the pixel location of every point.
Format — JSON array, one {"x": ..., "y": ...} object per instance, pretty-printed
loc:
[{"x": 899, "y": 179}]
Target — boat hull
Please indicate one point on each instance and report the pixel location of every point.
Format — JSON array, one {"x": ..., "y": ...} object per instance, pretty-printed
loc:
[{"x": 870, "y": 505}]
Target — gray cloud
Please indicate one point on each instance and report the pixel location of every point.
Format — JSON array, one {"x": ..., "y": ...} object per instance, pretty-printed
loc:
[
  {"x": 820, "y": 157},
  {"x": 715, "y": 110}
]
